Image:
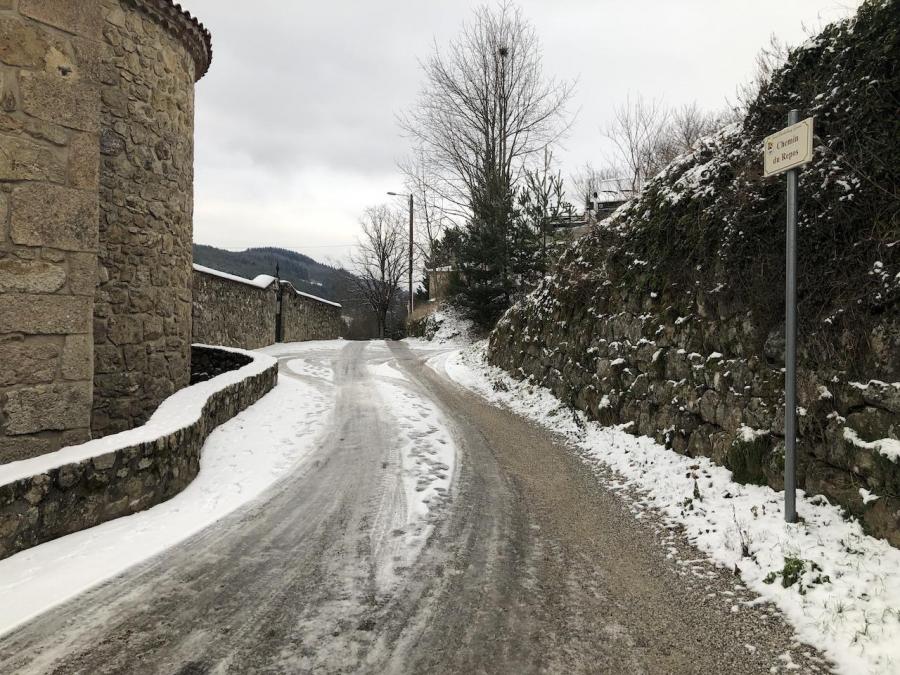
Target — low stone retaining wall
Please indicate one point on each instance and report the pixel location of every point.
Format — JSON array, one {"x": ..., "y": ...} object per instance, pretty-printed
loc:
[
  {"x": 695, "y": 385},
  {"x": 84, "y": 485}
]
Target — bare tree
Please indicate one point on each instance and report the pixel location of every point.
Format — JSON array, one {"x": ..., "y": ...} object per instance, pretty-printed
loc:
[
  {"x": 380, "y": 261},
  {"x": 690, "y": 123},
  {"x": 638, "y": 130},
  {"x": 486, "y": 107},
  {"x": 430, "y": 213},
  {"x": 768, "y": 59},
  {"x": 686, "y": 125},
  {"x": 648, "y": 136}
]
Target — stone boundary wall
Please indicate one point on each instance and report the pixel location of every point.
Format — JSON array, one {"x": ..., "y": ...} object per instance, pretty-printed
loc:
[
  {"x": 305, "y": 317},
  {"x": 82, "y": 486},
  {"x": 694, "y": 384},
  {"x": 233, "y": 311},
  {"x": 237, "y": 312}
]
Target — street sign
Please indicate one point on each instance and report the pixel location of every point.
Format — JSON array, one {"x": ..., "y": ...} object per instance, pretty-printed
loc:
[
  {"x": 785, "y": 150},
  {"x": 790, "y": 147}
]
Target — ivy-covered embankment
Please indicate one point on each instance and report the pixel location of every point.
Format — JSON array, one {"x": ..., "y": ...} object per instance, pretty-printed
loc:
[{"x": 670, "y": 315}]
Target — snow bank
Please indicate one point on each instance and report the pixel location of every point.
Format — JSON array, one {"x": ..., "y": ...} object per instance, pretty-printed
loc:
[
  {"x": 445, "y": 327},
  {"x": 845, "y": 599},
  {"x": 240, "y": 459}
]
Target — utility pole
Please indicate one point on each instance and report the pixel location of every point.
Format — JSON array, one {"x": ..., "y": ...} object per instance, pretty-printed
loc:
[{"x": 411, "y": 298}]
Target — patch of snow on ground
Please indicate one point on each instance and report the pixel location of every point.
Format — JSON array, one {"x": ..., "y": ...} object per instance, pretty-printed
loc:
[
  {"x": 386, "y": 369},
  {"x": 446, "y": 327},
  {"x": 850, "y": 607},
  {"x": 241, "y": 458},
  {"x": 310, "y": 368},
  {"x": 426, "y": 458}
]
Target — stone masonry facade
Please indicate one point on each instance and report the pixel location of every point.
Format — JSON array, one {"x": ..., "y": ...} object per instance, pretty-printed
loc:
[
  {"x": 142, "y": 309},
  {"x": 306, "y": 318},
  {"x": 241, "y": 314},
  {"x": 693, "y": 380},
  {"x": 96, "y": 136},
  {"x": 49, "y": 210}
]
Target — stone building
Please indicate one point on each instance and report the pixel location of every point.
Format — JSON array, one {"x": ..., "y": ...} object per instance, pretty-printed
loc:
[{"x": 96, "y": 180}]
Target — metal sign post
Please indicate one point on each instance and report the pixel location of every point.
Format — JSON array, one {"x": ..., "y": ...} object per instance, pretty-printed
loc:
[
  {"x": 785, "y": 151},
  {"x": 790, "y": 345}
]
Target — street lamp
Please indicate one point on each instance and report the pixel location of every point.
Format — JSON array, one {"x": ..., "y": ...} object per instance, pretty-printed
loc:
[{"x": 402, "y": 194}]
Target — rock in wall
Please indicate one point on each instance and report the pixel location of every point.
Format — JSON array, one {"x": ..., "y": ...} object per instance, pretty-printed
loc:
[{"x": 669, "y": 316}]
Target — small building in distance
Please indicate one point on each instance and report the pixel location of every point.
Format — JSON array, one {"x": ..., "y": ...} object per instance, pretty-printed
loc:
[
  {"x": 439, "y": 280},
  {"x": 612, "y": 194}
]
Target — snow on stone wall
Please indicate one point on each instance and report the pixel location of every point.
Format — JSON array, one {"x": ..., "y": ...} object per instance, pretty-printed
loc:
[
  {"x": 232, "y": 312},
  {"x": 83, "y": 485},
  {"x": 236, "y": 312}
]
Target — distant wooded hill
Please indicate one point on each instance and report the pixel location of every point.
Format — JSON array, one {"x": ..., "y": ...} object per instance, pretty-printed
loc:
[{"x": 306, "y": 274}]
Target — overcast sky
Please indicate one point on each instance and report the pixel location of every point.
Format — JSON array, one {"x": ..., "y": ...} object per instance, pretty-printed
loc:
[{"x": 296, "y": 119}]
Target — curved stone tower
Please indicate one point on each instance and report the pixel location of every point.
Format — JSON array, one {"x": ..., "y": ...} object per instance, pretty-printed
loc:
[
  {"x": 96, "y": 174},
  {"x": 142, "y": 309}
]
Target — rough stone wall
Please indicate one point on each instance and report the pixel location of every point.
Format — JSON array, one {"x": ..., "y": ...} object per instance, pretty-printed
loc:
[
  {"x": 50, "y": 65},
  {"x": 232, "y": 313},
  {"x": 695, "y": 380},
  {"x": 304, "y": 318},
  {"x": 142, "y": 310},
  {"x": 670, "y": 315},
  {"x": 80, "y": 495}
]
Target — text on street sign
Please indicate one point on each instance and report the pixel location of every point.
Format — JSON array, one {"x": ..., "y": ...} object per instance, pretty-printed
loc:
[{"x": 790, "y": 147}]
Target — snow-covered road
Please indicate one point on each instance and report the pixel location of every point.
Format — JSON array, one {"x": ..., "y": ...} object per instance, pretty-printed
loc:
[{"x": 414, "y": 528}]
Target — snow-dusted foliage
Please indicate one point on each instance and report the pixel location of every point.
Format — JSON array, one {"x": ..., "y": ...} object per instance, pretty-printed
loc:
[{"x": 710, "y": 223}]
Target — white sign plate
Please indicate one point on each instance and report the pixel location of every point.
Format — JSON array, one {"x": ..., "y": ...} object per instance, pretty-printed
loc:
[{"x": 788, "y": 148}]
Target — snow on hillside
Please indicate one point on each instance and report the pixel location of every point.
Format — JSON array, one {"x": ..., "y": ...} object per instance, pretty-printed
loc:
[{"x": 445, "y": 327}]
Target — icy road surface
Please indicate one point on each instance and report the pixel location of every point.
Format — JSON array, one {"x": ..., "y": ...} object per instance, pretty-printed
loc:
[{"x": 426, "y": 532}]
